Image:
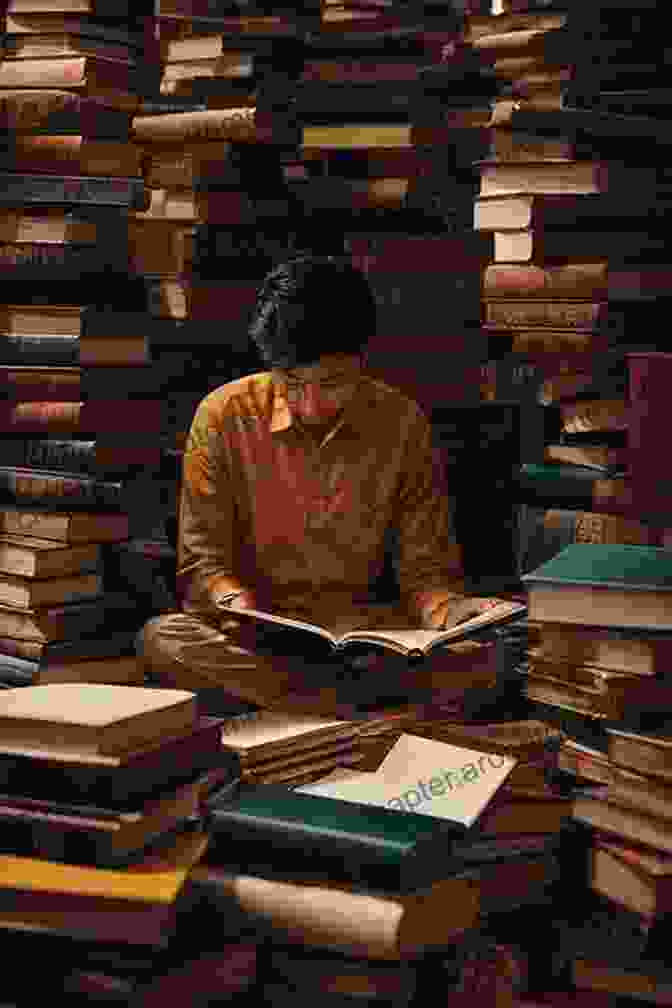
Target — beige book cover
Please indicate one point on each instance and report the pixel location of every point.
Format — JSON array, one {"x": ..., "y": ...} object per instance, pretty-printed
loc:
[
  {"x": 267, "y": 732},
  {"x": 424, "y": 776}
]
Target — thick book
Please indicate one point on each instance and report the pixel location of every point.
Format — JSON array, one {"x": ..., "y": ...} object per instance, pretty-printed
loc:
[
  {"x": 99, "y": 416},
  {"x": 611, "y": 585},
  {"x": 29, "y": 349},
  {"x": 118, "y": 670},
  {"x": 93, "y": 718},
  {"x": 647, "y": 752},
  {"x": 35, "y": 489},
  {"x": 542, "y": 246},
  {"x": 502, "y": 178},
  {"x": 32, "y": 557},
  {"x": 62, "y": 653},
  {"x": 72, "y": 190},
  {"x": 28, "y": 593},
  {"x": 631, "y": 824},
  {"x": 352, "y": 920},
  {"x": 77, "y": 154},
  {"x": 135, "y": 906},
  {"x": 554, "y": 212},
  {"x": 638, "y": 877},
  {"x": 409, "y": 642},
  {"x": 631, "y": 652},
  {"x": 121, "y": 782},
  {"x": 65, "y": 527},
  {"x": 333, "y": 838},
  {"x": 91, "y": 834},
  {"x": 58, "y": 112}
]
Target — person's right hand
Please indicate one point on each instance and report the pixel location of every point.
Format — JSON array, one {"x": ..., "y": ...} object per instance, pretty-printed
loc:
[{"x": 246, "y": 600}]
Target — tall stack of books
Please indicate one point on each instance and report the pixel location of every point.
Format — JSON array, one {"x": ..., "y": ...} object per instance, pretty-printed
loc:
[
  {"x": 103, "y": 790},
  {"x": 599, "y": 669},
  {"x": 578, "y": 278},
  {"x": 74, "y": 445},
  {"x": 384, "y": 180}
]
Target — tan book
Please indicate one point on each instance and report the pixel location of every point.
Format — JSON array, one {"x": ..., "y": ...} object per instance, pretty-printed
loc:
[
  {"x": 31, "y": 557},
  {"x": 29, "y": 593},
  {"x": 352, "y": 922},
  {"x": 170, "y": 204},
  {"x": 51, "y": 6},
  {"x": 647, "y": 753},
  {"x": 631, "y": 824},
  {"x": 268, "y": 734},
  {"x": 519, "y": 739},
  {"x": 479, "y": 27},
  {"x": 93, "y": 718},
  {"x": 611, "y": 979},
  {"x": 632, "y": 654},
  {"x": 54, "y": 44},
  {"x": 195, "y": 47},
  {"x": 593, "y": 456},
  {"x": 501, "y": 178},
  {"x": 570, "y": 696},
  {"x": 357, "y": 136},
  {"x": 156, "y": 244},
  {"x": 66, "y": 528},
  {"x": 123, "y": 671},
  {"x": 637, "y": 877},
  {"x": 199, "y": 129},
  {"x": 595, "y": 415},
  {"x": 75, "y": 153},
  {"x": 48, "y": 320}
]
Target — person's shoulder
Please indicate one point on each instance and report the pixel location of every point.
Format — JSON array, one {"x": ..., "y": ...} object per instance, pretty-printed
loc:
[{"x": 248, "y": 396}]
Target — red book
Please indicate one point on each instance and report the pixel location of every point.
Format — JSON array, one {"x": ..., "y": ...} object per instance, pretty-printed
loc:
[{"x": 650, "y": 415}]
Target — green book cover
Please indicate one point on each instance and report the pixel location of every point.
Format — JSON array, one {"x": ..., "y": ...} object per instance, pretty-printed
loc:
[{"x": 636, "y": 568}]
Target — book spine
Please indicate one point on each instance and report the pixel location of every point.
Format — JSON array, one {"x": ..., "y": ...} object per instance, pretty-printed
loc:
[
  {"x": 211, "y": 124},
  {"x": 551, "y": 282},
  {"x": 103, "y": 416},
  {"x": 71, "y": 255},
  {"x": 36, "y": 350},
  {"x": 57, "y": 492},
  {"x": 528, "y": 314},
  {"x": 69, "y": 190},
  {"x": 71, "y": 456},
  {"x": 44, "y": 386}
]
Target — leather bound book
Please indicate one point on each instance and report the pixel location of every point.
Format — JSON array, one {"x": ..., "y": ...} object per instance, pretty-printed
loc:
[{"x": 331, "y": 838}]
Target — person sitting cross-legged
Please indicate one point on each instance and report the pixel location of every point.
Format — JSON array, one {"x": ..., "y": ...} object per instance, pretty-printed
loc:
[{"x": 291, "y": 479}]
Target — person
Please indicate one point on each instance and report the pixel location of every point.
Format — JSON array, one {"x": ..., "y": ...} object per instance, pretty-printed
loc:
[{"x": 291, "y": 479}]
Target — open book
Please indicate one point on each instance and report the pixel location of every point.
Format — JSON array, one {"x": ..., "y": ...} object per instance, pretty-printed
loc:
[{"x": 411, "y": 642}]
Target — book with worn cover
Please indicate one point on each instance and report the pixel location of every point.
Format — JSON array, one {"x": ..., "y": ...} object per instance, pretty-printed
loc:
[
  {"x": 407, "y": 641},
  {"x": 606, "y": 585},
  {"x": 92, "y": 718},
  {"x": 329, "y": 838},
  {"x": 122, "y": 782}
]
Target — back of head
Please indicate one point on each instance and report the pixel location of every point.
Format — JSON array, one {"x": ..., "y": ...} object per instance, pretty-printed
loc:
[{"x": 310, "y": 306}]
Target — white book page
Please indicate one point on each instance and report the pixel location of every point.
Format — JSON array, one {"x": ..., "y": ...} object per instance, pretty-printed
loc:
[{"x": 427, "y": 777}]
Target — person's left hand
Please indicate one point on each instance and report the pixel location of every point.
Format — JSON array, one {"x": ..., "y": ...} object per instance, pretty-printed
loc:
[{"x": 454, "y": 611}]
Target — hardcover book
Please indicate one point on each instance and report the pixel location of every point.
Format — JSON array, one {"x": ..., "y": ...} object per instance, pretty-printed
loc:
[
  {"x": 607, "y": 585},
  {"x": 409, "y": 642},
  {"x": 92, "y": 718}
]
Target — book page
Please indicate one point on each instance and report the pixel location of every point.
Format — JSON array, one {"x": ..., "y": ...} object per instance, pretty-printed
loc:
[
  {"x": 427, "y": 777},
  {"x": 413, "y": 638},
  {"x": 284, "y": 621}
]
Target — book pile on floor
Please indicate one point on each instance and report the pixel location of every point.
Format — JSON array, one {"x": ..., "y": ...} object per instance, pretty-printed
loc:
[
  {"x": 599, "y": 670},
  {"x": 579, "y": 226},
  {"x": 103, "y": 790},
  {"x": 82, "y": 408}
]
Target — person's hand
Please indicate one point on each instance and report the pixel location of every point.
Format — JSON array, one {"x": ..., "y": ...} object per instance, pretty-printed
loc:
[
  {"x": 458, "y": 610},
  {"x": 246, "y": 600}
]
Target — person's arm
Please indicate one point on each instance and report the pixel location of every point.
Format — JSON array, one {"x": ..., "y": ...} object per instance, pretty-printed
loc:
[
  {"x": 206, "y": 553},
  {"x": 431, "y": 575}
]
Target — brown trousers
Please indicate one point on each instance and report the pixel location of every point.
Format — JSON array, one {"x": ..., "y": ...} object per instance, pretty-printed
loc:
[{"x": 182, "y": 651}]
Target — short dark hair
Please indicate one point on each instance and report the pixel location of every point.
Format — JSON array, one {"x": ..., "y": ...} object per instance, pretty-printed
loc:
[{"x": 310, "y": 306}]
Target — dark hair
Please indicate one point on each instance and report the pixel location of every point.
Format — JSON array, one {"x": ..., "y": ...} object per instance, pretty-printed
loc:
[{"x": 309, "y": 306}]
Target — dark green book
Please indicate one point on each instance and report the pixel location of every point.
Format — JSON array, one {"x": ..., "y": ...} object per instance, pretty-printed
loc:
[
  {"x": 604, "y": 585},
  {"x": 273, "y": 831}
]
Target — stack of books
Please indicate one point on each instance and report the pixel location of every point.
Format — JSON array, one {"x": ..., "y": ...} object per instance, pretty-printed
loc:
[
  {"x": 279, "y": 748},
  {"x": 102, "y": 819},
  {"x": 606, "y": 671},
  {"x": 94, "y": 774}
]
